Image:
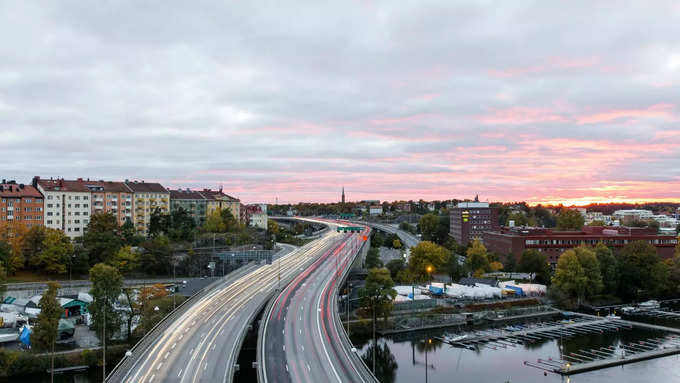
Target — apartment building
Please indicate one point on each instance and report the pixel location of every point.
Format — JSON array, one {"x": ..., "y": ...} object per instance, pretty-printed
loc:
[
  {"x": 217, "y": 200},
  {"x": 147, "y": 197},
  {"x": 67, "y": 205},
  {"x": 469, "y": 220},
  {"x": 21, "y": 203},
  {"x": 193, "y": 202},
  {"x": 110, "y": 197}
]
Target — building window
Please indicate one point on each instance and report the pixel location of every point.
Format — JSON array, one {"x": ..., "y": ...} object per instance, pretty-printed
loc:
[
  {"x": 48, "y": 197},
  {"x": 85, "y": 198},
  {"x": 28, "y": 200},
  {"x": 49, "y": 213},
  {"x": 77, "y": 198},
  {"x": 49, "y": 221}
]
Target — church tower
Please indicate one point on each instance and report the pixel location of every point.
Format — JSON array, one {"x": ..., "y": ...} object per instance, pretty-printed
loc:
[{"x": 343, "y": 194}]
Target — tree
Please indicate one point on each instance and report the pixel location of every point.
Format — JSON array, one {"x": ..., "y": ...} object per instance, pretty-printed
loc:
[
  {"x": 378, "y": 292},
  {"x": 45, "y": 332},
  {"x": 134, "y": 307},
  {"x": 495, "y": 266},
  {"x": 129, "y": 234},
  {"x": 591, "y": 268},
  {"x": 597, "y": 222},
  {"x": 126, "y": 260},
  {"x": 454, "y": 269},
  {"x": 13, "y": 233},
  {"x": 230, "y": 222},
  {"x": 477, "y": 258},
  {"x": 570, "y": 278},
  {"x": 428, "y": 227},
  {"x": 3, "y": 280},
  {"x": 427, "y": 254},
  {"x": 106, "y": 287},
  {"x": 532, "y": 261},
  {"x": 395, "y": 266},
  {"x": 373, "y": 258},
  {"x": 609, "y": 268},
  {"x": 214, "y": 223},
  {"x": 654, "y": 225},
  {"x": 33, "y": 243},
  {"x": 396, "y": 244},
  {"x": 570, "y": 220},
  {"x": 521, "y": 219},
  {"x": 510, "y": 262},
  {"x": 102, "y": 239},
  {"x": 56, "y": 252},
  {"x": 636, "y": 267},
  {"x": 155, "y": 258},
  {"x": 272, "y": 227},
  {"x": 5, "y": 252}
]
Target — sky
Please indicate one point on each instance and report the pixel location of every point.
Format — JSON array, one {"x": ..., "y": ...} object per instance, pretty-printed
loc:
[{"x": 539, "y": 101}]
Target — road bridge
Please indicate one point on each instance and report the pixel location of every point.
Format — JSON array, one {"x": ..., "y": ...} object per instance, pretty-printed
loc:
[
  {"x": 302, "y": 339},
  {"x": 203, "y": 344}
]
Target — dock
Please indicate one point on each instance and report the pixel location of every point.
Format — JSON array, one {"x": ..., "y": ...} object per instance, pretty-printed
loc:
[{"x": 512, "y": 335}]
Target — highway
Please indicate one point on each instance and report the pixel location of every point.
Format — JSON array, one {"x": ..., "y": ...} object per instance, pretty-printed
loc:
[
  {"x": 203, "y": 345},
  {"x": 301, "y": 341},
  {"x": 407, "y": 238}
]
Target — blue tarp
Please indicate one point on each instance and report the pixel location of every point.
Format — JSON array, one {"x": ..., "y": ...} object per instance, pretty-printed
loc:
[
  {"x": 25, "y": 336},
  {"x": 518, "y": 290},
  {"x": 410, "y": 295},
  {"x": 436, "y": 290}
]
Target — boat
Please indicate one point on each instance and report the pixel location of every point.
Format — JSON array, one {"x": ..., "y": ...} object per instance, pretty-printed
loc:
[
  {"x": 650, "y": 305},
  {"x": 458, "y": 338}
]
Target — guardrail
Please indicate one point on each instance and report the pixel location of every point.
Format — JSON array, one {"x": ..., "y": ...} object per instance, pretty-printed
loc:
[
  {"x": 139, "y": 349},
  {"x": 367, "y": 374}
]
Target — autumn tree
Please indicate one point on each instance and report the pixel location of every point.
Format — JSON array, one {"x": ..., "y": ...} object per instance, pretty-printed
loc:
[
  {"x": 34, "y": 242},
  {"x": 477, "y": 260},
  {"x": 570, "y": 278},
  {"x": 13, "y": 233},
  {"x": 214, "y": 223},
  {"x": 427, "y": 254},
  {"x": 126, "y": 260},
  {"x": 45, "y": 332},
  {"x": 570, "y": 220},
  {"x": 56, "y": 252}
]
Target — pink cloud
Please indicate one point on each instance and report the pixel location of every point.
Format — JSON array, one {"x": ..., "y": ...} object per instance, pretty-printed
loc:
[
  {"x": 521, "y": 115},
  {"x": 655, "y": 111}
]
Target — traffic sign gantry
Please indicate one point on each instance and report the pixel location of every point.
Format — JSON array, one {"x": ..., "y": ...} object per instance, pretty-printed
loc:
[{"x": 351, "y": 229}]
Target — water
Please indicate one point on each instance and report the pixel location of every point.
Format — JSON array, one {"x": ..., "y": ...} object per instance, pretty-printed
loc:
[{"x": 404, "y": 360}]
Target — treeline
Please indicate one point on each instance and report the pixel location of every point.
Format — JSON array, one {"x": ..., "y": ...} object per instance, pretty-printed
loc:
[
  {"x": 173, "y": 240},
  {"x": 586, "y": 274}
]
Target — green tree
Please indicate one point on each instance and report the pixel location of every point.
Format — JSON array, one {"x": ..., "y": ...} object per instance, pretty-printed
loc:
[
  {"x": 272, "y": 227},
  {"x": 129, "y": 234},
  {"x": 636, "y": 266},
  {"x": 156, "y": 256},
  {"x": 477, "y": 258},
  {"x": 429, "y": 224},
  {"x": 521, "y": 219},
  {"x": 597, "y": 222},
  {"x": 126, "y": 260},
  {"x": 45, "y": 332},
  {"x": 106, "y": 287},
  {"x": 395, "y": 266},
  {"x": 510, "y": 262},
  {"x": 230, "y": 222},
  {"x": 532, "y": 261},
  {"x": 454, "y": 269},
  {"x": 378, "y": 292},
  {"x": 373, "y": 258},
  {"x": 591, "y": 268},
  {"x": 570, "y": 220},
  {"x": 34, "y": 242},
  {"x": 570, "y": 278},
  {"x": 214, "y": 223},
  {"x": 56, "y": 252},
  {"x": 396, "y": 244},
  {"x": 609, "y": 268},
  {"x": 427, "y": 254},
  {"x": 3, "y": 280},
  {"x": 5, "y": 252},
  {"x": 102, "y": 239}
]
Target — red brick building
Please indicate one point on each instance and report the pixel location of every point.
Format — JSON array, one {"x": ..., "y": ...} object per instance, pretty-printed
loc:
[
  {"x": 470, "y": 220},
  {"x": 21, "y": 203},
  {"x": 514, "y": 240}
]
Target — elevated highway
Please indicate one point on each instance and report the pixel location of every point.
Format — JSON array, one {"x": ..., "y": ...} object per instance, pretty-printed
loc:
[
  {"x": 302, "y": 339},
  {"x": 407, "y": 238},
  {"x": 202, "y": 344}
]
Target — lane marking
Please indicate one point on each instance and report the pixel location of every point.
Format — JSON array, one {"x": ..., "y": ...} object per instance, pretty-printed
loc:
[{"x": 180, "y": 372}]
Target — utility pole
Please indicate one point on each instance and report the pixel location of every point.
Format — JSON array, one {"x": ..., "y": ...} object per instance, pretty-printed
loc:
[
  {"x": 174, "y": 280},
  {"x": 375, "y": 342},
  {"x": 104, "y": 342}
]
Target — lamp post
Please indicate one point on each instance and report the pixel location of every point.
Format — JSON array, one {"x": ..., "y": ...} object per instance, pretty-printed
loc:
[{"x": 429, "y": 273}]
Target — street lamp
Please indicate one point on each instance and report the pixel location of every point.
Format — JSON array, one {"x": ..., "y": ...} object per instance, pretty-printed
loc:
[{"x": 429, "y": 273}]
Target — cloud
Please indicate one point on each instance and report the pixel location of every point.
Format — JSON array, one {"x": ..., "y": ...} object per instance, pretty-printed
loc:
[{"x": 412, "y": 100}]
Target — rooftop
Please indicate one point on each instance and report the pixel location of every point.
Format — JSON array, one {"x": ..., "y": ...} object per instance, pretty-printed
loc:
[
  {"x": 146, "y": 187},
  {"x": 13, "y": 190}
]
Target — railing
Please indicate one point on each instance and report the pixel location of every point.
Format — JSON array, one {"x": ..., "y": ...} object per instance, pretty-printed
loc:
[{"x": 139, "y": 349}]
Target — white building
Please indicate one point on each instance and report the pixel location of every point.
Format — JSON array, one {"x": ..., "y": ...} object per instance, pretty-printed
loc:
[
  {"x": 67, "y": 205},
  {"x": 375, "y": 210},
  {"x": 257, "y": 216}
]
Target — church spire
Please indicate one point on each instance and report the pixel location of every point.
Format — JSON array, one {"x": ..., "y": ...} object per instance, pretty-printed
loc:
[{"x": 343, "y": 194}]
